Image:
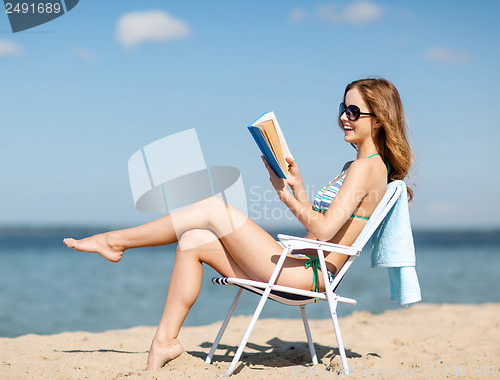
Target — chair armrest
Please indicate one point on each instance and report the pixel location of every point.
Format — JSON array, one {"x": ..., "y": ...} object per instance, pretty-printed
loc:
[{"x": 295, "y": 242}]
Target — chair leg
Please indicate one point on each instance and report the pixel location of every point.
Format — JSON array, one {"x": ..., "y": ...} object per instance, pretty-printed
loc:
[
  {"x": 308, "y": 334},
  {"x": 258, "y": 310},
  {"x": 250, "y": 327},
  {"x": 332, "y": 304},
  {"x": 333, "y": 311},
  {"x": 208, "y": 360}
]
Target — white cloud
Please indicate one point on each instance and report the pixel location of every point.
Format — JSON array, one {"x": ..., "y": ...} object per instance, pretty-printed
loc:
[
  {"x": 362, "y": 12},
  {"x": 447, "y": 57},
  {"x": 151, "y": 26},
  {"x": 297, "y": 15},
  {"x": 9, "y": 49},
  {"x": 358, "y": 13},
  {"x": 84, "y": 55}
]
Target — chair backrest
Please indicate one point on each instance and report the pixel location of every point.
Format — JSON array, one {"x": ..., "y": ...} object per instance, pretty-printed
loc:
[{"x": 392, "y": 194}]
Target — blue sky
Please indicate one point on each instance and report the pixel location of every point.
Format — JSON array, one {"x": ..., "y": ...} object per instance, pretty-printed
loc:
[{"x": 79, "y": 95}]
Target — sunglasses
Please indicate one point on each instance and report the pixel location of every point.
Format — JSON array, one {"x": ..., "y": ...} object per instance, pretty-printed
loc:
[{"x": 352, "y": 112}]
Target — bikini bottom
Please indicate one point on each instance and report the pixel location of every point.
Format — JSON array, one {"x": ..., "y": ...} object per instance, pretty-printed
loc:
[{"x": 314, "y": 263}]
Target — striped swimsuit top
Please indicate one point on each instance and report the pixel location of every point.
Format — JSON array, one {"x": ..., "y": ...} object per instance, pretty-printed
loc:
[{"x": 325, "y": 196}]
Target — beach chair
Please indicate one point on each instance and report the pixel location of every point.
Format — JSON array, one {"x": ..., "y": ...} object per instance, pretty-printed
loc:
[{"x": 298, "y": 297}]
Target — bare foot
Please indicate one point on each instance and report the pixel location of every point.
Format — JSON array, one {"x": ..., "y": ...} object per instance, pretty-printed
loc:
[
  {"x": 103, "y": 244},
  {"x": 161, "y": 353}
]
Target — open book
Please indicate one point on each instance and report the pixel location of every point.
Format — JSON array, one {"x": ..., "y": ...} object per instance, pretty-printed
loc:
[{"x": 271, "y": 142}]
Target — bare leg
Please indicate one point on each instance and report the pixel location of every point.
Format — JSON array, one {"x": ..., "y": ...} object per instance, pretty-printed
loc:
[
  {"x": 211, "y": 213},
  {"x": 242, "y": 249},
  {"x": 252, "y": 248},
  {"x": 195, "y": 247}
]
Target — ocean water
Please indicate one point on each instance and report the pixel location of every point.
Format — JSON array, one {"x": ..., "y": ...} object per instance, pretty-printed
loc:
[{"x": 46, "y": 288}]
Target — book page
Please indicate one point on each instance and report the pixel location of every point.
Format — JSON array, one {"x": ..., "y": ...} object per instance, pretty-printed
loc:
[
  {"x": 271, "y": 116},
  {"x": 284, "y": 146},
  {"x": 271, "y": 135}
]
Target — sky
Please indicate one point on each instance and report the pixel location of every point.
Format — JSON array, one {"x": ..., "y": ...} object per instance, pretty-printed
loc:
[{"x": 80, "y": 94}]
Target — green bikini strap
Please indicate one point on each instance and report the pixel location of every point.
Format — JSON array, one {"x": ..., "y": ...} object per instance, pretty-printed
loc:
[
  {"x": 314, "y": 263},
  {"x": 386, "y": 162}
]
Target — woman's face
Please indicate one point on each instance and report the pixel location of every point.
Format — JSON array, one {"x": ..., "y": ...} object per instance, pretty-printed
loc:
[{"x": 360, "y": 129}]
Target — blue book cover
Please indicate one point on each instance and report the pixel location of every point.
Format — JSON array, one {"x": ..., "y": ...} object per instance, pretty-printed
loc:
[
  {"x": 264, "y": 146},
  {"x": 266, "y": 151}
]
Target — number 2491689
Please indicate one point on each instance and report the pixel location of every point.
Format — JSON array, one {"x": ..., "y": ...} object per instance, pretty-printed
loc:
[{"x": 33, "y": 8}]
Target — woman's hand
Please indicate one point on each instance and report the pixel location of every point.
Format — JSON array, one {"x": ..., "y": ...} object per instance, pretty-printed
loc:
[
  {"x": 279, "y": 184},
  {"x": 294, "y": 178}
]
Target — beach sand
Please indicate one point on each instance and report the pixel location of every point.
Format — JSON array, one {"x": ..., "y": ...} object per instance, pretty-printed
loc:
[{"x": 423, "y": 341}]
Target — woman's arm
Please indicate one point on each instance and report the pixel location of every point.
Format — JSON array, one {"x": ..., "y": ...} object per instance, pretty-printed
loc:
[
  {"x": 355, "y": 187},
  {"x": 294, "y": 180}
]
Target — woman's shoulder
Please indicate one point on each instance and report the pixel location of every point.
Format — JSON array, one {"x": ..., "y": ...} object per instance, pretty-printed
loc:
[{"x": 365, "y": 168}]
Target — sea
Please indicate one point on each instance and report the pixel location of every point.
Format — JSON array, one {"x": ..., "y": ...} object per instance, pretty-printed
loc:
[{"x": 46, "y": 288}]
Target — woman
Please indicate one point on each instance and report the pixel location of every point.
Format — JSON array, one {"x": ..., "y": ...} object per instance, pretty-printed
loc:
[{"x": 371, "y": 116}]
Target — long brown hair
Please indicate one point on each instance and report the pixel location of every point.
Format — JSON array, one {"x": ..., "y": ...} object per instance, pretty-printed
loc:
[{"x": 391, "y": 141}]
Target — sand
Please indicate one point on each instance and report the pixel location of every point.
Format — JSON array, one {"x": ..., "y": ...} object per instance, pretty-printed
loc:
[{"x": 423, "y": 341}]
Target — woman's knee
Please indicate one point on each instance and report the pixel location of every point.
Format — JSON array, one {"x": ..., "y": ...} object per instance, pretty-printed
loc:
[
  {"x": 211, "y": 204},
  {"x": 195, "y": 239},
  {"x": 222, "y": 217}
]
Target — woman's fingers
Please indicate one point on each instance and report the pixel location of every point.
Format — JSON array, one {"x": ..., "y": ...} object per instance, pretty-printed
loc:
[
  {"x": 291, "y": 163},
  {"x": 268, "y": 167},
  {"x": 277, "y": 182}
]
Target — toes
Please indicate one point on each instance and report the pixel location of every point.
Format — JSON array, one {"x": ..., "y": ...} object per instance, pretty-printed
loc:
[{"x": 69, "y": 242}]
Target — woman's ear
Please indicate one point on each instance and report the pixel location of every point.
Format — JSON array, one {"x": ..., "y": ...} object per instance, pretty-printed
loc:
[{"x": 378, "y": 123}]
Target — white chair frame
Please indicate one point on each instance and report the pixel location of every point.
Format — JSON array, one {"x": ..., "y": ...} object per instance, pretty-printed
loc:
[{"x": 291, "y": 243}]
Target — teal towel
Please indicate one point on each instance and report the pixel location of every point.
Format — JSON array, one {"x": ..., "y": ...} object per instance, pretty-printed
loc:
[{"x": 392, "y": 247}]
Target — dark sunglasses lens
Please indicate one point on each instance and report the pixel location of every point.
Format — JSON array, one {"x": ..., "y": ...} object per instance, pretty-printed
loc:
[
  {"x": 352, "y": 113},
  {"x": 341, "y": 109}
]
